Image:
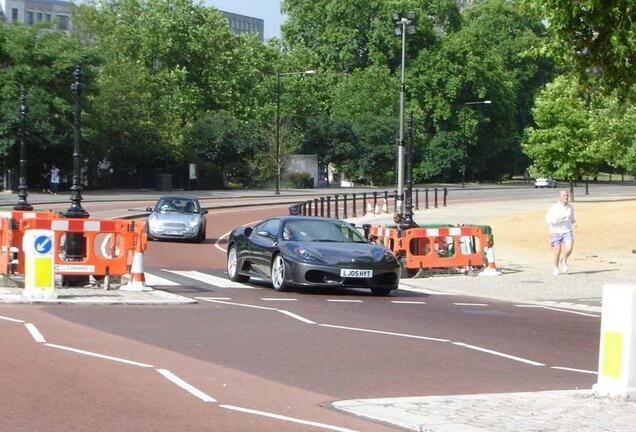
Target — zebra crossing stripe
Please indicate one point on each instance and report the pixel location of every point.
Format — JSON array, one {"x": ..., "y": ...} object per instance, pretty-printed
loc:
[
  {"x": 216, "y": 281},
  {"x": 154, "y": 280}
]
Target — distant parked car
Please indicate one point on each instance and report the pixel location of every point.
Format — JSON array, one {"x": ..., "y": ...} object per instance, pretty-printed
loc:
[
  {"x": 542, "y": 182},
  {"x": 176, "y": 217}
]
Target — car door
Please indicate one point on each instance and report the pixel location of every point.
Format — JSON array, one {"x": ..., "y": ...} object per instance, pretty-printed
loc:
[{"x": 263, "y": 243}]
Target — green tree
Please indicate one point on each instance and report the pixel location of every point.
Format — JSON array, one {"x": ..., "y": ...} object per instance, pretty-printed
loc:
[
  {"x": 42, "y": 61},
  {"x": 560, "y": 143},
  {"x": 598, "y": 37}
]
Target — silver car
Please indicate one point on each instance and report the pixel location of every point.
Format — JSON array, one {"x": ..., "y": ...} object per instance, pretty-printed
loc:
[{"x": 176, "y": 217}]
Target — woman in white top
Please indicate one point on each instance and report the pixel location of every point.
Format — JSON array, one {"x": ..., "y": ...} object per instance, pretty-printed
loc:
[{"x": 560, "y": 216}]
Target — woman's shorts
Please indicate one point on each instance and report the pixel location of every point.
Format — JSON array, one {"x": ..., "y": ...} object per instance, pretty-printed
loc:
[{"x": 558, "y": 238}]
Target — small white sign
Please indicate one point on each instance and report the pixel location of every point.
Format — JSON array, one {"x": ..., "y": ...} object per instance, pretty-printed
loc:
[
  {"x": 67, "y": 268},
  {"x": 192, "y": 171}
]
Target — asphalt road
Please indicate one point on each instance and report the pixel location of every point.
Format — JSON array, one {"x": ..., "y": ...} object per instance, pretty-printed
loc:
[{"x": 273, "y": 361}]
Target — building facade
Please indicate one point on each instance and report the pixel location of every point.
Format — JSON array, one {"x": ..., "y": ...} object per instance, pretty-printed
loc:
[
  {"x": 244, "y": 24},
  {"x": 30, "y": 12}
]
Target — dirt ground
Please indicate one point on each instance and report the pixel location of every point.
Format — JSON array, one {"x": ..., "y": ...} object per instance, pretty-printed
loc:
[{"x": 604, "y": 230}]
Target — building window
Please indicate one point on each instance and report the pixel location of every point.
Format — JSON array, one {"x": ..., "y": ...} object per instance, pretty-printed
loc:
[
  {"x": 39, "y": 16},
  {"x": 14, "y": 14},
  {"x": 29, "y": 18},
  {"x": 48, "y": 17},
  {"x": 63, "y": 22}
]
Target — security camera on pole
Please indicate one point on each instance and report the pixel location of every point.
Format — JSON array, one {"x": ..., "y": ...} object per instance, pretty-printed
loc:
[{"x": 404, "y": 23}]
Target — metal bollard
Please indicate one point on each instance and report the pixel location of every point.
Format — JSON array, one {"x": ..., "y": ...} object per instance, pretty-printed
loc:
[
  {"x": 445, "y": 196},
  {"x": 328, "y": 206},
  {"x": 435, "y": 197},
  {"x": 354, "y": 206},
  {"x": 386, "y": 197},
  {"x": 308, "y": 204},
  {"x": 364, "y": 203},
  {"x": 336, "y": 215},
  {"x": 587, "y": 190},
  {"x": 395, "y": 202},
  {"x": 367, "y": 230},
  {"x": 426, "y": 198},
  {"x": 316, "y": 206},
  {"x": 344, "y": 198},
  {"x": 417, "y": 199},
  {"x": 322, "y": 206}
]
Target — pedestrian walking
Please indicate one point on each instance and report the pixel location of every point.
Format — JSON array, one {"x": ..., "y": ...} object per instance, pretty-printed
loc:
[
  {"x": 54, "y": 179},
  {"x": 560, "y": 216}
]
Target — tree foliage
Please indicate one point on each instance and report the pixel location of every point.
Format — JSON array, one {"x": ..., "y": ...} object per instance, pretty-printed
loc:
[{"x": 598, "y": 37}]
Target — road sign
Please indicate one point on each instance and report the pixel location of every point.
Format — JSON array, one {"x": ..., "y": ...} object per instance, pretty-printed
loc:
[{"x": 39, "y": 264}]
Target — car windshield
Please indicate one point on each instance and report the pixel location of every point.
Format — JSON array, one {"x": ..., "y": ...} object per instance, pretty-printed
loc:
[
  {"x": 311, "y": 230},
  {"x": 178, "y": 205}
]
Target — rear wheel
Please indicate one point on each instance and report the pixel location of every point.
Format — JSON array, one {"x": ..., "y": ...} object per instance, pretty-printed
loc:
[
  {"x": 232, "y": 266},
  {"x": 278, "y": 274}
]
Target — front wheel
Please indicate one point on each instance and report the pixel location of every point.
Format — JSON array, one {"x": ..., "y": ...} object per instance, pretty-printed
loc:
[
  {"x": 232, "y": 266},
  {"x": 382, "y": 291},
  {"x": 278, "y": 273}
]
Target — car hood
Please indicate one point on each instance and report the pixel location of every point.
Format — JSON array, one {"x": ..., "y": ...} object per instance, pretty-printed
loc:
[
  {"x": 339, "y": 253},
  {"x": 175, "y": 217}
]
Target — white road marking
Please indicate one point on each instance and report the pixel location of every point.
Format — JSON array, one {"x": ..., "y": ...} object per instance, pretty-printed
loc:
[
  {"x": 344, "y": 301},
  {"x": 283, "y": 299},
  {"x": 575, "y": 370},
  {"x": 289, "y": 419},
  {"x": 424, "y": 290},
  {"x": 184, "y": 385},
  {"x": 102, "y": 356},
  {"x": 557, "y": 309},
  {"x": 35, "y": 333},
  {"x": 154, "y": 280},
  {"x": 497, "y": 353},
  {"x": 215, "y": 298},
  {"x": 216, "y": 281},
  {"x": 298, "y": 317},
  {"x": 209, "y": 299},
  {"x": 385, "y": 333},
  {"x": 10, "y": 319},
  {"x": 407, "y": 302},
  {"x": 470, "y": 304},
  {"x": 227, "y": 234}
]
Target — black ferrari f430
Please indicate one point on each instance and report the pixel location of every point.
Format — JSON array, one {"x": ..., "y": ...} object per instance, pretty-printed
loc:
[{"x": 310, "y": 251}]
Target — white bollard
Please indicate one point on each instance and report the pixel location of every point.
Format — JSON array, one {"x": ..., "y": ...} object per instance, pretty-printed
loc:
[
  {"x": 617, "y": 353},
  {"x": 39, "y": 264}
]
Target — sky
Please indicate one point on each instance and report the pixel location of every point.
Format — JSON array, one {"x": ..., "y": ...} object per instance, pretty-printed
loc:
[{"x": 268, "y": 10}]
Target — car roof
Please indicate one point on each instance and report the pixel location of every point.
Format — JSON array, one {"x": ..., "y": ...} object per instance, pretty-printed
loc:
[{"x": 192, "y": 197}]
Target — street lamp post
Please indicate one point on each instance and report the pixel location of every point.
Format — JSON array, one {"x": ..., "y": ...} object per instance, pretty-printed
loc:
[
  {"x": 408, "y": 222},
  {"x": 75, "y": 243},
  {"x": 278, "y": 161},
  {"x": 22, "y": 195},
  {"x": 404, "y": 24},
  {"x": 464, "y": 151}
]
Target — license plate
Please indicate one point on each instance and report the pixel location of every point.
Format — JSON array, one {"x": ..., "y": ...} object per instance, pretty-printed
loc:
[
  {"x": 351, "y": 273},
  {"x": 173, "y": 232}
]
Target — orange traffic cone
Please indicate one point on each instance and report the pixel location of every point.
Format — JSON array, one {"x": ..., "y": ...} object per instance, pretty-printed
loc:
[
  {"x": 385, "y": 208},
  {"x": 137, "y": 281},
  {"x": 491, "y": 270},
  {"x": 377, "y": 209}
]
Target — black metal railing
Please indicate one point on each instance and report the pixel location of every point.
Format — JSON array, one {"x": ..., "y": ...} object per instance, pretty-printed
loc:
[{"x": 359, "y": 203}]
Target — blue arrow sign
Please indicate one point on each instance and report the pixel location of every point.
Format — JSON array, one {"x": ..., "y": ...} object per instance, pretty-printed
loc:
[{"x": 43, "y": 245}]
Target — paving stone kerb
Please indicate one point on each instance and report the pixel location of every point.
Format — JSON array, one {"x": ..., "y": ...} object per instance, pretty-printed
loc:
[{"x": 564, "y": 411}]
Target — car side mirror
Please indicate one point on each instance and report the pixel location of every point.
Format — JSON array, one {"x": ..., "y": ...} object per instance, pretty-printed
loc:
[
  {"x": 204, "y": 212},
  {"x": 248, "y": 231},
  {"x": 373, "y": 239},
  {"x": 149, "y": 209}
]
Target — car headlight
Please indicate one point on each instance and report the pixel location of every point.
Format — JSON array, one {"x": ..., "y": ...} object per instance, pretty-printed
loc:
[
  {"x": 389, "y": 257},
  {"x": 153, "y": 224},
  {"x": 194, "y": 222},
  {"x": 304, "y": 253}
]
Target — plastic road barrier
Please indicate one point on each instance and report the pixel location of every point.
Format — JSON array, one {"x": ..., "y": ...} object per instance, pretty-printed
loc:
[
  {"x": 617, "y": 353},
  {"x": 39, "y": 264}
]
